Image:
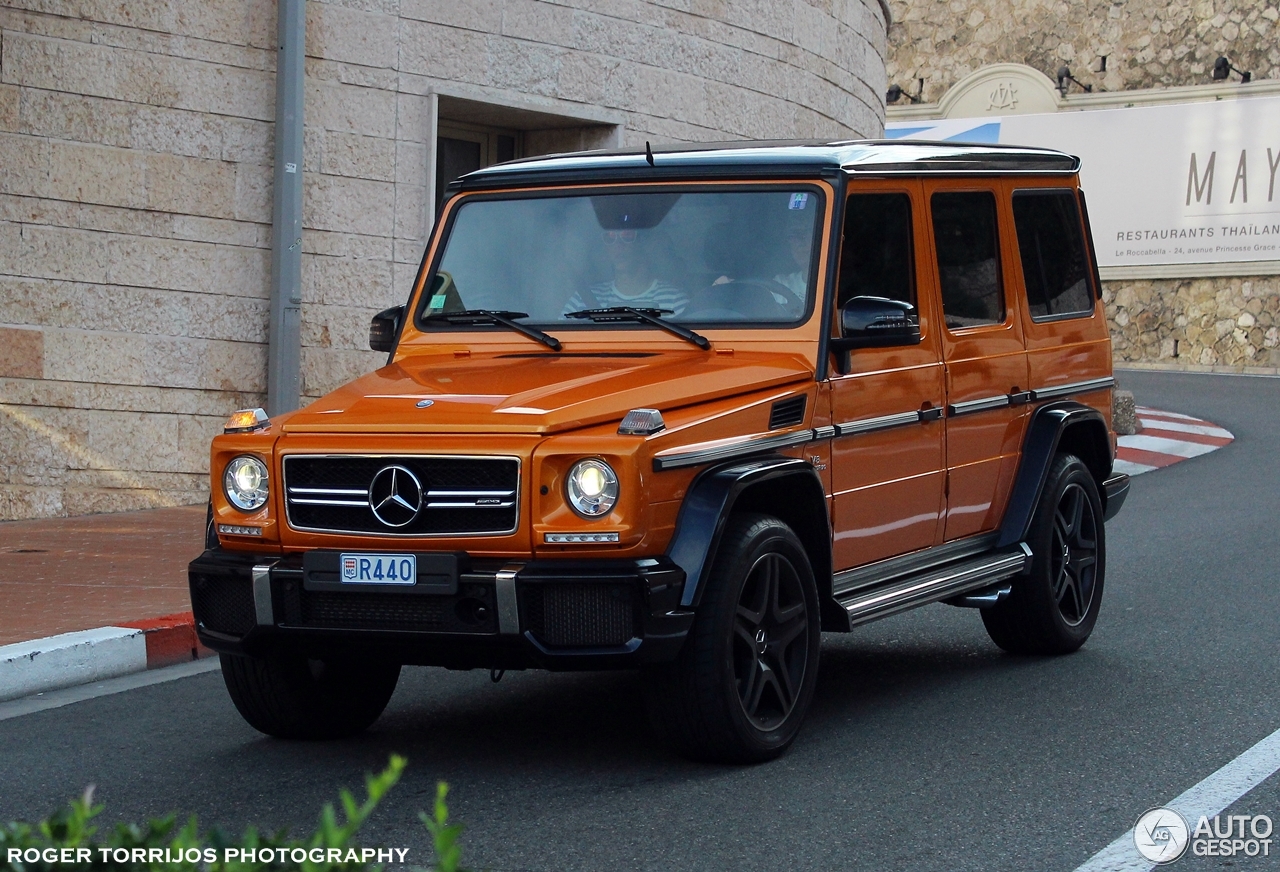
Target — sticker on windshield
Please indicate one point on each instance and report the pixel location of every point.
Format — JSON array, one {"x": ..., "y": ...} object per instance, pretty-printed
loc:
[
  {"x": 798, "y": 201},
  {"x": 436, "y": 302}
]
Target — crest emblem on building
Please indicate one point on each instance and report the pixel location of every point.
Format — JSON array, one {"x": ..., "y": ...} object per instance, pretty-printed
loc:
[{"x": 1004, "y": 96}]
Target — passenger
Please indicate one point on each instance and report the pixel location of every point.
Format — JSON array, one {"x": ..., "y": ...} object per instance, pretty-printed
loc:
[
  {"x": 799, "y": 243},
  {"x": 634, "y": 282}
]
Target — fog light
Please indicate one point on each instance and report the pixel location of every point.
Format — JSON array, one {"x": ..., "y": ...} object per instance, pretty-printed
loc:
[
  {"x": 245, "y": 482},
  {"x": 592, "y": 488}
]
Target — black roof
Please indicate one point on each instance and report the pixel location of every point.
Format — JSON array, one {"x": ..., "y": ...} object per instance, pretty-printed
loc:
[{"x": 788, "y": 159}]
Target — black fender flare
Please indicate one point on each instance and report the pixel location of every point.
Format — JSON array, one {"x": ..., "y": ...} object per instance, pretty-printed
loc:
[
  {"x": 1044, "y": 434},
  {"x": 711, "y": 499}
]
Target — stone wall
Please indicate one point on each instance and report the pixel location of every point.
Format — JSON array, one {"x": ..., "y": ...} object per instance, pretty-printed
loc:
[
  {"x": 1148, "y": 44},
  {"x": 135, "y": 201},
  {"x": 1220, "y": 322},
  {"x": 135, "y": 187}
]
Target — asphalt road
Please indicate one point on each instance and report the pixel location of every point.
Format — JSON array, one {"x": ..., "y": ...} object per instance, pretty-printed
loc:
[{"x": 927, "y": 748}]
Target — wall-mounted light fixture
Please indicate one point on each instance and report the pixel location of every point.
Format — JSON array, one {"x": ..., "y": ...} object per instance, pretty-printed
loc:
[
  {"x": 1222, "y": 68},
  {"x": 895, "y": 93},
  {"x": 1065, "y": 79}
]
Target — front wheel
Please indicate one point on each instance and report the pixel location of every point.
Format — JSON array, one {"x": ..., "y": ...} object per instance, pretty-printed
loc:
[
  {"x": 1052, "y": 609},
  {"x": 744, "y": 679},
  {"x": 293, "y": 697}
]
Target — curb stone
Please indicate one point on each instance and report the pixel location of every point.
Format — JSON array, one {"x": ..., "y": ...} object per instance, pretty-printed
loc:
[{"x": 71, "y": 659}]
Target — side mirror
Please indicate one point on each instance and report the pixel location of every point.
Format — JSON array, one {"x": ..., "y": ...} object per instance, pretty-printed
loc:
[
  {"x": 875, "y": 322},
  {"x": 384, "y": 328}
]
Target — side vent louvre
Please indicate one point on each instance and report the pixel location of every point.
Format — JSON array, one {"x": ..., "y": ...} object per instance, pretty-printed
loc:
[{"x": 788, "y": 412}]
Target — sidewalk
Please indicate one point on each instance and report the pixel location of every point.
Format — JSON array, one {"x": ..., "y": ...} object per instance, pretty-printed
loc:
[
  {"x": 87, "y": 598},
  {"x": 65, "y": 574}
]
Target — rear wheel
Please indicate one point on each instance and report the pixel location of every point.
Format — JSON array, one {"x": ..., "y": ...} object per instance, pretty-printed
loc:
[
  {"x": 743, "y": 681},
  {"x": 293, "y": 697},
  {"x": 1052, "y": 610}
]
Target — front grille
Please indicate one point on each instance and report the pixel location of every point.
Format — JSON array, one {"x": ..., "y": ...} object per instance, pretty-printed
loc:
[
  {"x": 579, "y": 615},
  {"x": 223, "y": 604},
  {"x": 458, "y": 495}
]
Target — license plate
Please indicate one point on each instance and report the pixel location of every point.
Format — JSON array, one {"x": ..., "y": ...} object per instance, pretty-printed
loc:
[{"x": 378, "y": 569}]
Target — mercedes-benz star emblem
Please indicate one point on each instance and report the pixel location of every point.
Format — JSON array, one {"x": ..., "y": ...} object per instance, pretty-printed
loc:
[{"x": 395, "y": 496}]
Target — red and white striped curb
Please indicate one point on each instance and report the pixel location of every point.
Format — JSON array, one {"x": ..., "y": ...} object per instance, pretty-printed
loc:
[
  {"x": 1167, "y": 438},
  {"x": 72, "y": 659}
]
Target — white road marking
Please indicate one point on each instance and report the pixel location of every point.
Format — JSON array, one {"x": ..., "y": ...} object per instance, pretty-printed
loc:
[
  {"x": 1208, "y": 798},
  {"x": 1179, "y": 427},
  {"x": 1130, "y": 468},
  {"x": 1147, "y": 410},
  {"x": 1166, "y": 446},
  {"x": 58, "y": 698}
]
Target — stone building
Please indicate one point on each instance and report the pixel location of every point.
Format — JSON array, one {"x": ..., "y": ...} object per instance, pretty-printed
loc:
[
  {"x": 136, "y": 172},
  {"x": 949, "y": 53}
]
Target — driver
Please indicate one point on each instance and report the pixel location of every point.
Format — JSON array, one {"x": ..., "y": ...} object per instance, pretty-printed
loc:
[{"x": 634, "y": 282}]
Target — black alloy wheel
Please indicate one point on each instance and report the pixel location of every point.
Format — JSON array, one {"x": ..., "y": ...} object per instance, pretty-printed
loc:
[
  {"x": 739, "y": 690},
  {"x": 1053, "y": 608},
  {"x": 770, "y": 654},
  {"x": 1073, "y": 554}
]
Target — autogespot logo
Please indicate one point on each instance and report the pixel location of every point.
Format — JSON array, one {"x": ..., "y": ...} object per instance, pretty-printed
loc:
[
  {"x": 395, "y": 495},
  {"x": 1161, "y": 835}
]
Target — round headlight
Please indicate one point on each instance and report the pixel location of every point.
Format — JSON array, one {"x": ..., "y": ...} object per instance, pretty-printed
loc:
[
  {"x": 246, "y": 483},
  {"x": 592, "y": 488}
]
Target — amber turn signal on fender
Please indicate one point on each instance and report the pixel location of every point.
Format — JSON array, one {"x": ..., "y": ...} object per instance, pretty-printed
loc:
[{"x": 246, "y": 421}]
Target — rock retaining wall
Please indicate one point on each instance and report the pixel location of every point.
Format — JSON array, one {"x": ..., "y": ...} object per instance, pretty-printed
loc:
[{"x": 1210, "y": 322}]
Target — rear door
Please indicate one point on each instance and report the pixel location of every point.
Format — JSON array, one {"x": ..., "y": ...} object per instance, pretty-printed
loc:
[
  {"x": 983, "y": 350},
  {"x": 1068, "y": 344}
]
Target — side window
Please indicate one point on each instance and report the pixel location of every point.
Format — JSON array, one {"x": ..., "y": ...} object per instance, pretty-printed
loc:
[
  {"x": 1054, "y": 266},
  {"x": 876, "y": 257},
  {"x": 964, "y": 229}
]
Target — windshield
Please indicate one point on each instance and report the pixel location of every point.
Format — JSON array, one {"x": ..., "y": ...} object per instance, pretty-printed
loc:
[{"x": 723, "y": 257}]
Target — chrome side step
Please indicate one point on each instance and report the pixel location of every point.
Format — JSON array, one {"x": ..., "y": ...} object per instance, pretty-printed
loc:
[{"x": 936, "y": 583}]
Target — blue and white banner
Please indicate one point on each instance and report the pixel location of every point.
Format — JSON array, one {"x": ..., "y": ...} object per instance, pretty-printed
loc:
[{"x": 1180, "y": 183}]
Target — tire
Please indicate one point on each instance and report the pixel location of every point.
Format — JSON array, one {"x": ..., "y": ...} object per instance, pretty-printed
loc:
[
  {"x": 291, "y": 697},
  {"x": 744, "y": 679},
  {"x": 1052, "y": 610}
]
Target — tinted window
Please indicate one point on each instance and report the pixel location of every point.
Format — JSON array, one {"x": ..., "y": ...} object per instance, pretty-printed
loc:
[
  {"x": 964, "y": 229},
  {"x": 701, "y": 256},
  {"x": 876, "y": 259},
  {"x": 1051, "y": 245}
]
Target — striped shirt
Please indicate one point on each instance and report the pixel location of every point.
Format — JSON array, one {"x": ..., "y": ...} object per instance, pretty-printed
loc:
[{"x": 659, "y": 295}]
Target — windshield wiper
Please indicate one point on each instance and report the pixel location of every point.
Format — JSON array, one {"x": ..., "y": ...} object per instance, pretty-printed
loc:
[
  {"x": 496, "y": 316},
  {"x": 643, "y": 316}
]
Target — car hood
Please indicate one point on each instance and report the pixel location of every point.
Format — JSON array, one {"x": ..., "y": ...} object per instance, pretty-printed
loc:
[{"x": 539, "y": 393}]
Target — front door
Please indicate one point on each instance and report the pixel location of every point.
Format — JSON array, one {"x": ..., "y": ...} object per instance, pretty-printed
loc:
[{"x": 887, "y": 456}]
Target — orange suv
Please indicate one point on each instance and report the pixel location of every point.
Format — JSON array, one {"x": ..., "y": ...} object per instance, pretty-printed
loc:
[{"x": 683, "y": 411}]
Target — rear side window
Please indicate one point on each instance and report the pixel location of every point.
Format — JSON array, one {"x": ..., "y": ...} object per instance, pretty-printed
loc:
[
  {"x": 876, "y": 258},
  {"x": 1051, "y": 245},
  {"x": 964, "y": 230}
]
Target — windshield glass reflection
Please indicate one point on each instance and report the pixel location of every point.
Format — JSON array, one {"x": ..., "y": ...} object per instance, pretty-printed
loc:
[{"x": 695, "y": 257}]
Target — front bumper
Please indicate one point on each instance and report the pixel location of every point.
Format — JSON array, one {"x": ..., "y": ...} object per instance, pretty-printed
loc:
[{"x": 563, "y": 614}]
